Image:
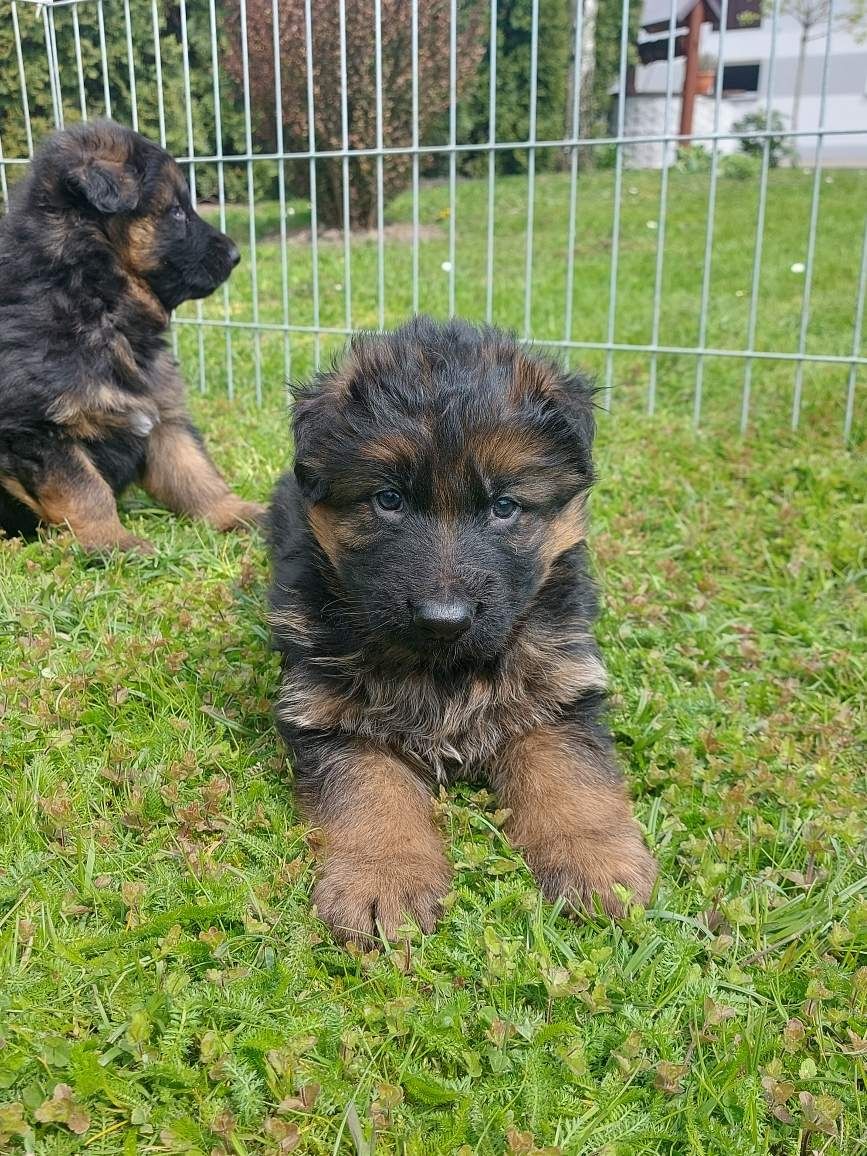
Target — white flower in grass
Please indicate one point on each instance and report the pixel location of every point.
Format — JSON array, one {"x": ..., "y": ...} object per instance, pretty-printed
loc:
[
  {"x": 798, "y": 267},
  {"x": 652, "y": 224},
  {"x": 446, "y": 266}
]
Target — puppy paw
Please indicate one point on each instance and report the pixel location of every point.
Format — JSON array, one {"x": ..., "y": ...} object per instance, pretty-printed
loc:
[
  {"x": 235, "y": 514},
  {"x": 360, "y": 898},
  {"x": 577, "y": 868},
  {"x": 125, "y": 543}
]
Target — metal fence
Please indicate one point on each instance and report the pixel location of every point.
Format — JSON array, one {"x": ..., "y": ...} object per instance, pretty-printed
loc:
[{"x": 233, "y": 338}]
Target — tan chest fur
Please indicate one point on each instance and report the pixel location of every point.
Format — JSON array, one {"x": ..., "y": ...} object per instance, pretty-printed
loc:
[{"x": 450, "y": 731}]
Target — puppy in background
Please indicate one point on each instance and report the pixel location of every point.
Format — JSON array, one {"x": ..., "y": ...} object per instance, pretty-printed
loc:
[
  {"x": 100, "y": 245},
  {"x": 432, "y": 604}
]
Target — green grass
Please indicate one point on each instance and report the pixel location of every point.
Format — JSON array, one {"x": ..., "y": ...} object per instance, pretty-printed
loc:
[
  {"x": 164, "y": 986},
  {"x": 835, "y": 278}
]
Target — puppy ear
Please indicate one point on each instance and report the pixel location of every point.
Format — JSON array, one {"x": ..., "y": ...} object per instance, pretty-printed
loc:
[
  {"x": 579, "y": 392},
  {"x": 107, "y": 186},
  {"x": 311, "y": 485}
]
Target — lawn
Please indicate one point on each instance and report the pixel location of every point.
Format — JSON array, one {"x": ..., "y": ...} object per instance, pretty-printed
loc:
[
  {"x": 843, "y": 194},
  {"x": 164, "y": 985}
]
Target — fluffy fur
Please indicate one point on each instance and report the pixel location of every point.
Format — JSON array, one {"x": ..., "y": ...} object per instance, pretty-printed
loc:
[
  {"x": 101, "y": 244},
  {"x": 433, "y": 608}
]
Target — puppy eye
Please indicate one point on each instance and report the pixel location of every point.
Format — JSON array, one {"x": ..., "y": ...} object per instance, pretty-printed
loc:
[
  {"x": 178, "y": 212},
  {"x": 389, "y": 500},
  {"x": 504, "y": 508}
]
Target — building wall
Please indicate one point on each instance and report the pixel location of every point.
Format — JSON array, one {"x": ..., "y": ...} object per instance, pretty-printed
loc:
[
  {"x": 846, "y": 102},
  {"x": 645, "y": 116}
]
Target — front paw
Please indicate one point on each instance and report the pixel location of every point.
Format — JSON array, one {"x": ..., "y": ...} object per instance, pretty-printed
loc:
[
  {"x": 125, "y": 543},
  {"x": 235, "y": 514},
  {"x": 361, "y": 898},
  {"x": 577, "y": 867}
]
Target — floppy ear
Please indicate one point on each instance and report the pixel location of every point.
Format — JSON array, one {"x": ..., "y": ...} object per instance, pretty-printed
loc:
[
  {"x": 579, "y": 392},
  {"x": 306, "y": 422},
  {"x": 107, "y": 186},
  {"x": 311, "y": 485}
]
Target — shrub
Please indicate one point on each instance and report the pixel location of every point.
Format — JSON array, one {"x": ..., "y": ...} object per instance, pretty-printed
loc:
[
  {"x": 740, "y": 166},
  {"x": 433, "y": 65},
  {"x": 779, "y": 147},
  {"x": 12, "y": 126}
]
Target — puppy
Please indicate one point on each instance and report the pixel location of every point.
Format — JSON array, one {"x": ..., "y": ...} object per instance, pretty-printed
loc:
[
  {"x": 433, "y": 608},
  {"x": 100, "y": 245}
]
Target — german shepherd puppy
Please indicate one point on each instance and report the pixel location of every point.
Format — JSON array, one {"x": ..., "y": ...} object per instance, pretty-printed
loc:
[
  {"x": 433, "y": 607},
  {"x": 100, "y": 245}
]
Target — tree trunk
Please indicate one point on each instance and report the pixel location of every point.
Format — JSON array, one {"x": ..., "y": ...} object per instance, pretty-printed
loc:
[
  {"x": 799, "y": 77},
  {"x": 588, "y": 64}
]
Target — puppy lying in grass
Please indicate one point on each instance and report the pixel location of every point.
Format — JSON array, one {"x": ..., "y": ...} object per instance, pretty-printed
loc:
[
  {"x": 101, "y": 244},
  {"x": 433, "y": 608}
]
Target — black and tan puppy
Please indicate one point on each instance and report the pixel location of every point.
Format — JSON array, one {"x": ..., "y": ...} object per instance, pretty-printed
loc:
[
  {"x": 101, "y": 244},
  {"x": 432, "y": 603}
]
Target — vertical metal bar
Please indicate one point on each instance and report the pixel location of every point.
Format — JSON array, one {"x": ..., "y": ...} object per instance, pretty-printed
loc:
[
  {"x": 531, "y": 169},
  {"x": 711, "y": 216},
  {"x": 53, "y": 70},
  {"x": 814, "y": 220},
  {"x": 158, "y": 61},
  {"x": 314, "y": 215},
  {"x": 662, "y": 218},
  {"x": 79, "y": 68},
  {"x": 22, "y": 75},
  {"x": 191, "y": 152},
  {"x": 577, "y": 53},
  {"x": 415, "y": 162},
  {"x": 492, "y": 161},
  {"x": 344, "y": 136},
  {"x": 103, "y": 54},
  {"x": 251, "y": 202},
  {"x": 281, "y": 184},
  {"x": 221, "y": 188},
  {"x": 453, "y": 138},
  {"x": 130, "y": 60},
  {"x": 856, "y": 339},
  {"x": 618, "y": 185},
  {"x": 760, "y": 226},
  {"x": 380, "y": 221}
]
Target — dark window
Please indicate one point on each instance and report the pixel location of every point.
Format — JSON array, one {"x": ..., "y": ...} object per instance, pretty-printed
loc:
[{"x": 741, "y": 78}]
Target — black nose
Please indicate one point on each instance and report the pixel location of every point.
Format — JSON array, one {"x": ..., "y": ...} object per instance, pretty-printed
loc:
[
  {"x": 234, "y": 254},
  {"x": 443, "y": 619}
]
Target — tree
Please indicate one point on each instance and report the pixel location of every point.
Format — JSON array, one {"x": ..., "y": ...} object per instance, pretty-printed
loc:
[
  {"x": 606, "y": 61},
  {"x": 812, "y": 15},
  {"x": 396, "y": 48},
  {"x": 12, "y": 121},
  {"x": 514, "y": 51}
]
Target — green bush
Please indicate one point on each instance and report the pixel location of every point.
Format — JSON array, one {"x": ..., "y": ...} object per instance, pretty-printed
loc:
[
  {"x": 514, "y": 43},
  {"x": 740, "y": 166},
  {"x": 12, "y": 119},
  {"x": 693, "y": 159},
  {"x": 779, "y": 147}
]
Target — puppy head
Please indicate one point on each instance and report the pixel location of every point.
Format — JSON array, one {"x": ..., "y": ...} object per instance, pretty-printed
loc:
[
  {"x": 136, "y": 195},
  {"x": 444, "y": 471}
]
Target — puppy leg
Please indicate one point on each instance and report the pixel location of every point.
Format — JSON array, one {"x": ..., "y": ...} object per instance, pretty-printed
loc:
[
  {"x": 572, "y": 818},
  {"x": 69, "y": 490},
  {"x": 180, "y": 475},
  {"x": 383, "y": 857}
]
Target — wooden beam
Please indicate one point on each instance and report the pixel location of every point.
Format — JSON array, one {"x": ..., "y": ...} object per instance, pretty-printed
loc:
[{"x": 690, "y": 74}]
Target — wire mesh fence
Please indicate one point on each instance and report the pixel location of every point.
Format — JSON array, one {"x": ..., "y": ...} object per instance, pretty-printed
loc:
[{"x": 724, "y": 290}]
